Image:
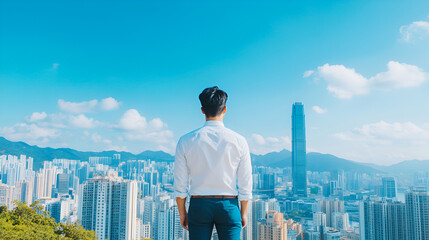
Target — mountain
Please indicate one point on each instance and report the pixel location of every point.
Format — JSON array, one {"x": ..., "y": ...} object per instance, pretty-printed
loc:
[
  {"x": 409, "y": 166},
  {"x": 48, "y": 154},
  {"x": 315, "y": 162}
]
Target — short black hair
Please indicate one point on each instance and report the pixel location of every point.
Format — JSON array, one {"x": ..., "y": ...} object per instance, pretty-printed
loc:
[{"x": 213, "y": 101}]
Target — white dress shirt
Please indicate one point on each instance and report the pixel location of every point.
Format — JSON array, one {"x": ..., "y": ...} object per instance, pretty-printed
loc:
[{"x": 213, "y": 160}]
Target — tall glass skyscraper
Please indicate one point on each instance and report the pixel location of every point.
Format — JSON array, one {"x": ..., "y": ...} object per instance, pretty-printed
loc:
[{"x": 299, "y": 155}]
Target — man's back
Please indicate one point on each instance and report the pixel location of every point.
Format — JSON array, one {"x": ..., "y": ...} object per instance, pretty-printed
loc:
[{"x": 213, "y": 155}]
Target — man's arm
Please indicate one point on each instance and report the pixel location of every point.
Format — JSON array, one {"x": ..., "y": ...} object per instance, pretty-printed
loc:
[
  {"x": 181, "y": 183},
  {"x": 244, "y": 183}
]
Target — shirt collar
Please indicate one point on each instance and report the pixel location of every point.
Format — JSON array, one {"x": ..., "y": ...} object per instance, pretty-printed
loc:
[{"x": 214, "y": 123}]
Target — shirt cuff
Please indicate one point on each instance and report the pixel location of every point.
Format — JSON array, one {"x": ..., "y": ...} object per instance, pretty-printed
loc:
[
  {"x": 180, "y": 194},
  {"x": 244, "y": 197}
]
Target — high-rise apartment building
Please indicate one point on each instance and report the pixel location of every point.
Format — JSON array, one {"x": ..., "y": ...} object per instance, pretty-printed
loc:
[
  {"x": 299, "y": 154},
  {"x": 329, "y": 207},
  {"x": 417, "y": 212},
  {"x": 381, "y": 220},
  {"x": 273, "y": 227},
  {"x": 108, "y": 205},
  {"x": 259, "y": 210}
]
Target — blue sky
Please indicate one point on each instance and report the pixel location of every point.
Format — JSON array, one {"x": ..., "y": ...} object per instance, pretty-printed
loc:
[{"x": 127, "y": 75}]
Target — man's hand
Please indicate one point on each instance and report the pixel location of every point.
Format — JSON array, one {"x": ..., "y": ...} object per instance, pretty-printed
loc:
[
  {"x": 184, "y": 221},
  {"x": 244, "y": 208},
  {"x": 182, "y": 212},
  {"x": 243, "y": 221}
]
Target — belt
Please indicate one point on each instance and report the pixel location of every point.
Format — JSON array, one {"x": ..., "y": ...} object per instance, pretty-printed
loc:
[{"x": 213, "y": 196}]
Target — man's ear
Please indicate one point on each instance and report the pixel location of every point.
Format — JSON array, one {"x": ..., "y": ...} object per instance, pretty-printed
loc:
[
  {"x": 203, "y": 111},
  {"x": 224, "y": 110}
]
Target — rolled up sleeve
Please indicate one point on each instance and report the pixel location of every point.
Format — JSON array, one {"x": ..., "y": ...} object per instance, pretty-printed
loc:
[
  {"x": 244, "y": 174},
  {"x": 180, "y": 172}
]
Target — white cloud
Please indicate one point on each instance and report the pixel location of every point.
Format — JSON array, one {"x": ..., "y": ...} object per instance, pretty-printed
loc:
[
  {"x": 384, "y": 130},
  {"x": 117, "y": 148},
  {"x": 344, "y": 83},
  {"x": 96, "y": 137},
  {"x": 132, "y": 120},
  {"x": 414, "y": 31},
  {"x": 81, "y": 121},
  {"x": 106, "y": 104},
  {"x": 259, "y": 144},
  {"x": 36, "y": 116},
  {"x": 308, "y": 73},
  {"x": 383, "y": 142},
  {"x": 30, "y": 133},
  {"x": 319, "y": 110},
  {"x": 132, "y": 129},
  {"x": 109, "y": 103},
  {"x": 137, "y": 128},
  {"x": 399, "y": 75},
  {"x": 77, "y": 107}
]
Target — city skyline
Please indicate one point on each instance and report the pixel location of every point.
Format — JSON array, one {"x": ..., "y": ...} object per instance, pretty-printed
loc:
[{"x": 131, "y": 82}]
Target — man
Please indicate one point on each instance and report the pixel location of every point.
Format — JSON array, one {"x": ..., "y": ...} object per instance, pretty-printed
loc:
[{"x": 213, "y": 166}]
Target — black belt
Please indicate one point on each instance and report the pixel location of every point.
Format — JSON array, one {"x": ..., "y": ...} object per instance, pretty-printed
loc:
[{"x": 213, "y": 196}]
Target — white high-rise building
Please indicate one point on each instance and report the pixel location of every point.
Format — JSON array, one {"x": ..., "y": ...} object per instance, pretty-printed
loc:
[
  {"x": 59, "y": 209},
  {"x": 259, "y": 210},
  {"x": 330, "y": 206},
  {"x": 108, "y": 205},
  {"x": 340, "y": 221},
  {"x": 44, "y": 181},
  {"x": 319, "y": 219},
  {"x": 6, "y": 195}
]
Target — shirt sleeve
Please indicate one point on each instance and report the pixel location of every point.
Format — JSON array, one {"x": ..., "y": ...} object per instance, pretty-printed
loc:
[
  {"x": 180, "y": 172},
  {"x": 244, "y": 174}
]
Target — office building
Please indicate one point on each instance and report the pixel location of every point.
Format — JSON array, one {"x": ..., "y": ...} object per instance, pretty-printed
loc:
[
  {"x": 299, "y": 154},
  {"x": 389, "y": 187}
]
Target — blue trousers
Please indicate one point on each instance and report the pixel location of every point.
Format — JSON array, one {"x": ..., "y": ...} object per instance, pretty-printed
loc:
[{"x": 204, "y": 213}]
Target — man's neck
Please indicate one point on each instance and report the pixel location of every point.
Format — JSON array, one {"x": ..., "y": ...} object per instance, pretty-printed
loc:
[{"x": 219, "y": 119}]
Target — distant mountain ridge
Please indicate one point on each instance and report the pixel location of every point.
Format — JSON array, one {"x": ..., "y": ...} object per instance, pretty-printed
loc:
[
  {"x": 315, "y": 161},
  {"x": 48, "y": 154}
]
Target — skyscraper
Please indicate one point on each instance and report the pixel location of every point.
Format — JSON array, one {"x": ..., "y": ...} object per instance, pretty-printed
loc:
[
  {"x": 299, "y": 155},
  {"x": 108, "y": 205}
]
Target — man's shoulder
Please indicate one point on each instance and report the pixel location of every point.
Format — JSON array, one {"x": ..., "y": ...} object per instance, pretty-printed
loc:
[
  {"x": 236, "y": 135},
  {"x": 190, "y": 135}
]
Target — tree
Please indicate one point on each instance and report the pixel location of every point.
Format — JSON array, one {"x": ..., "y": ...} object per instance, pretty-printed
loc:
[{"x": 25, "y": 222}]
